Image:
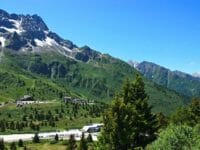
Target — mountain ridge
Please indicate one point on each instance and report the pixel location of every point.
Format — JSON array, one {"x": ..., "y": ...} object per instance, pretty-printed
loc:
[
  {"x": 181, "y": 82},
  {"x": 30, "y": 33},
  {"x": 31, "y": 64}
]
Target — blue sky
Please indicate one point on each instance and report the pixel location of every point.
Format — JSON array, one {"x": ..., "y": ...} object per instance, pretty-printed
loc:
[{"x": 166, "y": 32}]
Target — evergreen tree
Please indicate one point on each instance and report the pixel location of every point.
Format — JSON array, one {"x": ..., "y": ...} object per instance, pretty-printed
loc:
[
  {"x": 162, "y": 120},
  {"x": 13, "y": 146},
  {"x": 194, "y": 110},
  {"x": 89, "y": 139},
  {"x": 36, "y": 138},
  {"x": 20, "y": 143},
  {"x": 56, "y": 138},
  {"x": 83, "y": 143},
  {"x": 182, "y": 116},
  {"x": 25, "y": 148},
  {"x": 72, "y": 143},
  {"x": 2, "y": 145},
  {"x": 129, "y": 122},
  {"x": 2, "y": 126},
  {"x": 189, "y": 115}
]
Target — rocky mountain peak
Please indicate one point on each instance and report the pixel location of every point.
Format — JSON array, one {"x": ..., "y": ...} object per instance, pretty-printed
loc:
[
  {"x": 33, "y": 23},
  {"x": 29, "y": 33},
  {"x": 3, "y": 14},
  {"x": 28, "y": 22}
]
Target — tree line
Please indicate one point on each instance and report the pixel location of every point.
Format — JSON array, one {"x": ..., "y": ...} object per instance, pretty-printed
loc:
[
  {"x": 129, "y": 123},
  {"x": 33, "y": 118}
]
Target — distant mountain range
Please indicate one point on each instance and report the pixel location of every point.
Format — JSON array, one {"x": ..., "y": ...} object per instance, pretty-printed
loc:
[
  {"x": 38, "y": 62},
  {"x": 196, "y": 74},
  {"x": 180, "y": 82}
]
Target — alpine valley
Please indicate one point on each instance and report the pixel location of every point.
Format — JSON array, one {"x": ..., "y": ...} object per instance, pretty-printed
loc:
[{"x": 38, "y": 62}]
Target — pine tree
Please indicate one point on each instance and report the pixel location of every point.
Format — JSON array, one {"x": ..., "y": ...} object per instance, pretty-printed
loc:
[
  {"x": 129, "y": 122},
  {"x": 13, "y": 146},
  {"x": 25, "y": 148},
  {"x": 72, "y": 143},
  {"x": 56, "y": 138},
  {"x": 83, "y": 143},
  {"x": 2, "y": 145},
  {"x": 36, "y": 138},
  {"x": 89, "y": 139},
  {"x": 2, "y": 126},
  {"x": 194, "y": 110},
  {"x": 189, "y": 115},
  {"x": 162, "y": 120},
  {"x": 20, "y": 143}
]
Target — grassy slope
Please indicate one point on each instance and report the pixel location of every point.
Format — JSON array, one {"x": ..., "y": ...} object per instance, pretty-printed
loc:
[
  {"x": 43, "y": 145},
  {"x": 83, "y": 116},
  {"x": 45, "y": 78},
  {"x": 46, "y": 146},
  {"x": 182, "y": 83}
]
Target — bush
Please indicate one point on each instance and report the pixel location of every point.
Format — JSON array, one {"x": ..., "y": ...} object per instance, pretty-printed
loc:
[
  {"x": 53, "y": 142},
  {"x": 180, "y": 137},
  {"x": 64, "y": 142}
]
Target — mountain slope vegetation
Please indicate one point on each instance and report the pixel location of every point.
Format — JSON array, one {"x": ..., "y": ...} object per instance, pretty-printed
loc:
[
  {"x": 180, "y": 82},
  {"x": 36, "y": 61},
  {"x": 49, "y": 76}
]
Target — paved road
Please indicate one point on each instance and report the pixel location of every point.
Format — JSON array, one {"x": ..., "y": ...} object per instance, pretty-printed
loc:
[{"x": 47, "y": 135}]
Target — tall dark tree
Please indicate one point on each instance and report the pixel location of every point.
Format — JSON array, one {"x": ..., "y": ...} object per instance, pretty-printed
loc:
[
  {"x": 129, "y": 122},
  {"x": 13, "y": 146},
  {"x": 2, "y": 145},
  {"x": 83, "y": 143},
  {"x": 36, "y": 138},
  {"x": 20, "y": 143},
  {"x": 2, "y": 126},
  {"x": 194, "y": 109},
  {"x": 56, "y": 138},
  {"x": 89, "y": 139},
  {"x": 72, "y": 143}
]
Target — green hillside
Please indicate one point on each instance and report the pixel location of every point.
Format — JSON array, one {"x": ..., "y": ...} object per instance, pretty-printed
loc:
[
  {"x": 49, "y": 76},
  {"x": 180, "y": 82}
]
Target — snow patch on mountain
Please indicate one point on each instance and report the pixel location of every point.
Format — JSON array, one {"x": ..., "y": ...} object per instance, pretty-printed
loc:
[
  {"x": 67, "y": 49},
  {"x": 133, "y": 63},
  {"x": 18, "y": 25},
  {"x": 26, "y": 33},
  {"x": 12, "y": 30},
  {"x": 196, "y": 74},
  {"x": 40, "y": 43},
  {"x": 47, "y": 42},
  {"x": 50, "y": 41}
]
